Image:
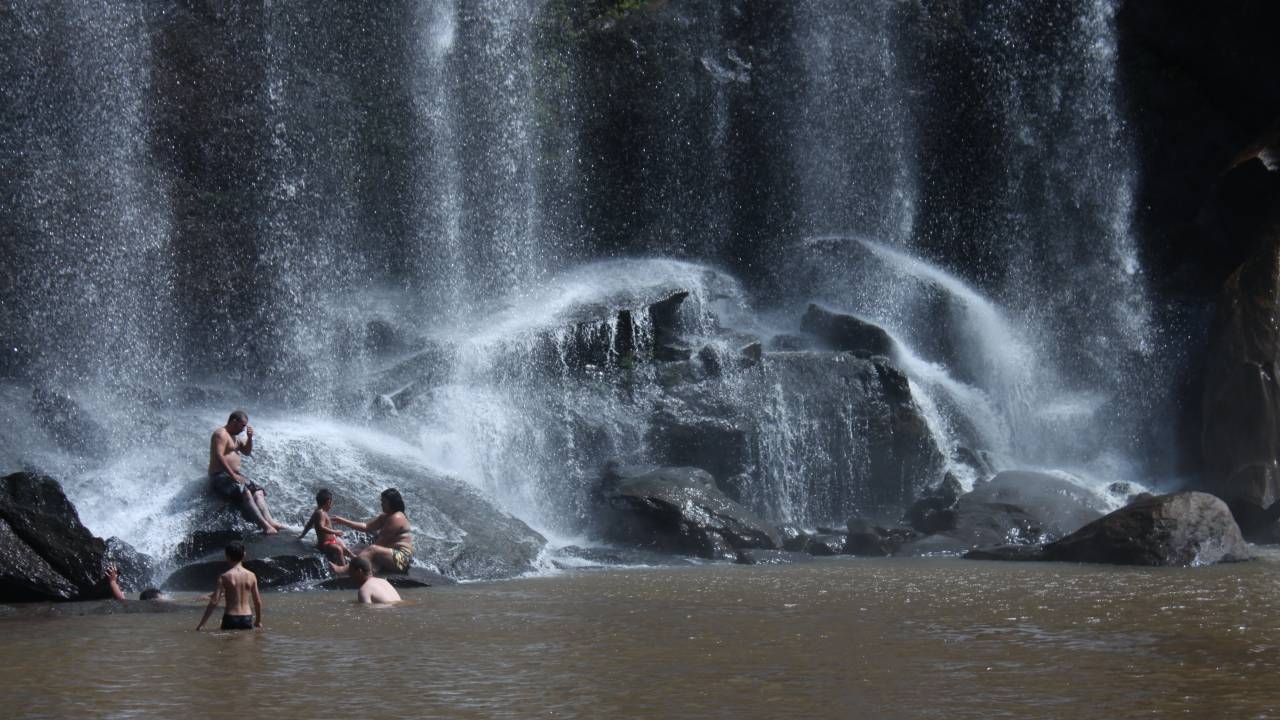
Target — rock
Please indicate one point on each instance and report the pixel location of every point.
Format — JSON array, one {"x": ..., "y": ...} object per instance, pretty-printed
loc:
[
  {"x": 415, "y": 578},
  {"x": 1240, "y": 432},
  {"x": 46, "y": 553},
  {"x": 793, "y": 538},
  {"x": 870, "y": 540},
  {"x": 573, "y": 557},
  {"x": 717, "y": 444},
  {"x": 934, "y": 546},
  {"x": 1007, "y": 552},
  {"x": 135, "y": 569},
  {"x": 67, "y": 424},
  {"x": 846, "y": 332},
  {"x": 823, "y": 545},
  {"x": 771, "y": 557},
  {"x": 929, "y": 513},
  {"x": 278, "y": 560},
  {"x": 1058, "y": 506},
  {"x": 711, "y": 362},
  {"x": 1179, "y": 529},
  {"x": 864, "y": 445},
  {"x": 462, "y": 534},
  {"x": 680, "y": 510},
  {"x": 751, "y": 354},
  {"x": 787, "y": 342},
  {"x": 97, "y": 608}
]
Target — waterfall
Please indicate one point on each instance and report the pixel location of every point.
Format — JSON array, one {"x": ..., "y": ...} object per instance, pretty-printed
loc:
[{"x": 429, "y": 240}]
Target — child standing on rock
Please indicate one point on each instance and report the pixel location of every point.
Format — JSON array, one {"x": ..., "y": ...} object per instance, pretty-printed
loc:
[
  {"x": 240, "y": 587},
  {"x": 327, "y": 539}
]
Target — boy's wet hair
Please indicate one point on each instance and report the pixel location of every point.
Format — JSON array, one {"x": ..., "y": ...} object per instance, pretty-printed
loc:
[
  {"x": 323, "y": 497},
  {"x": 240, "y": 415},
  {"x": 235, "y": 551},
  {"x": 394, "y": 501},
  {"x": 362, "y": 564},
  {"x": 150, "y": 594}
]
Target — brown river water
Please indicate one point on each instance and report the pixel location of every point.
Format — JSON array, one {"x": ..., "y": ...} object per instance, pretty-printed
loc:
[{"x": 842, "y": 638}]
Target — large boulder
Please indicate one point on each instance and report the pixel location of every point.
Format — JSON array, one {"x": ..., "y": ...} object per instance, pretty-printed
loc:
[
  {"x": 278, "y": 560},
  {"x": 1240, "y": 431},
  {"x": 1180, "y": 529},
  {"x": 680, "y": 510},
  {"x": 46, "y": 553},
  {"x": 1014, "y": 508},
  {"x": 1059, "y": 506},
  {"x": 463, "y": 535},
  {"x": 843, "y": 432},
  {"x": 846, "y": 332}
]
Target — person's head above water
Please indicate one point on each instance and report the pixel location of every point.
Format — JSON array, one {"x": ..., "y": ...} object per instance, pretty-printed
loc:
[
  {"x": 235, "y": 551},
  {"x": 324, "y": 499},
  {"x": 152, "y": 594},
  {"x": 391, "y": 501},
  {"x": 237, "y": 421},
  {"x": 360, "y": 569}
]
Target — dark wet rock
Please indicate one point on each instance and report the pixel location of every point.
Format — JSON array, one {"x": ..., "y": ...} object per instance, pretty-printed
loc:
[
  {"x": 278, "y": 560},
  {"x": 381, "y": 338},
  {"x": 680, "y": 437},
  {"x": 1007, "y": 552},
  {"x": 680, "y": 510},
  {"x": 792, "y": 537},
  {"x": 846, "y": 332},
  {"x": 463, "y": 535},
  {"x": 46, "y": 553},
  {"x": 66, "y": 423},
  {"x": 135, "y": 570},
  {"x": 787, "y": 342},
  {"x": 771, "y": 557},
  {"x": 1058, "y": 506},
  {"x": 823, "y": 545},
  {"x": 877, "y": 453},
  {"x": 672, "y": 352},
  {"x": 97, "y": 608},
  {"x": 1179, "y": 529},
  {"x": 751, "y": 354},
  {"x": 711, "y": 361},
  {"x": 1015, "y": 507},
  {"x": 573, "y": 557},
  {"x": 200, "y": 543},
  {"x": 931, "y": 513},
  {"x": 979, "y": 460},
  {"x": 934, "y": 546},
  {"x": 868, "y": 539},
  {"x": 415, "y": 578},
  {"x": 1240, "y": 433}
]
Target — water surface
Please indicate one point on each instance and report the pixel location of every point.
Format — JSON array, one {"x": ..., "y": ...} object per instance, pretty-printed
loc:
[{"x": 920, "y": 638}]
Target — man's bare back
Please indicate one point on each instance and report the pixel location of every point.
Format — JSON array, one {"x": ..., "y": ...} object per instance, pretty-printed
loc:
[
  {"x": 377, "y": 591},
  {"x": 238, "y": 585}
]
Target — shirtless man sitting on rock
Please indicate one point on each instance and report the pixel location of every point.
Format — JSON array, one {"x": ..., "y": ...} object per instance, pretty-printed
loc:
[{"x": 229, "y": 481}]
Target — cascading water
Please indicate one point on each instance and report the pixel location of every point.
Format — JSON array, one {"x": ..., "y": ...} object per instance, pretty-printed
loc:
[{"x": 441, "y": 248}]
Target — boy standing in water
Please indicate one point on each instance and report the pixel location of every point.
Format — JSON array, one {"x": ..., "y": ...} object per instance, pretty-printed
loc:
[
  {"x": 327, "y": 540},
  {"x": 240, "y": 587}
]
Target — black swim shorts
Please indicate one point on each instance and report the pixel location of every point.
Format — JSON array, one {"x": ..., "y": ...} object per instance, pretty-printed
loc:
[
  {"x": 225, "y": 485},
  {"x": 237, "y": 622}
]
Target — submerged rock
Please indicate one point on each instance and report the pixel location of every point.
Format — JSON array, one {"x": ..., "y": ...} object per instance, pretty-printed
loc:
[
  {"x": 1180, "y": 529},
  {"x": 680, "y": 510}
]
